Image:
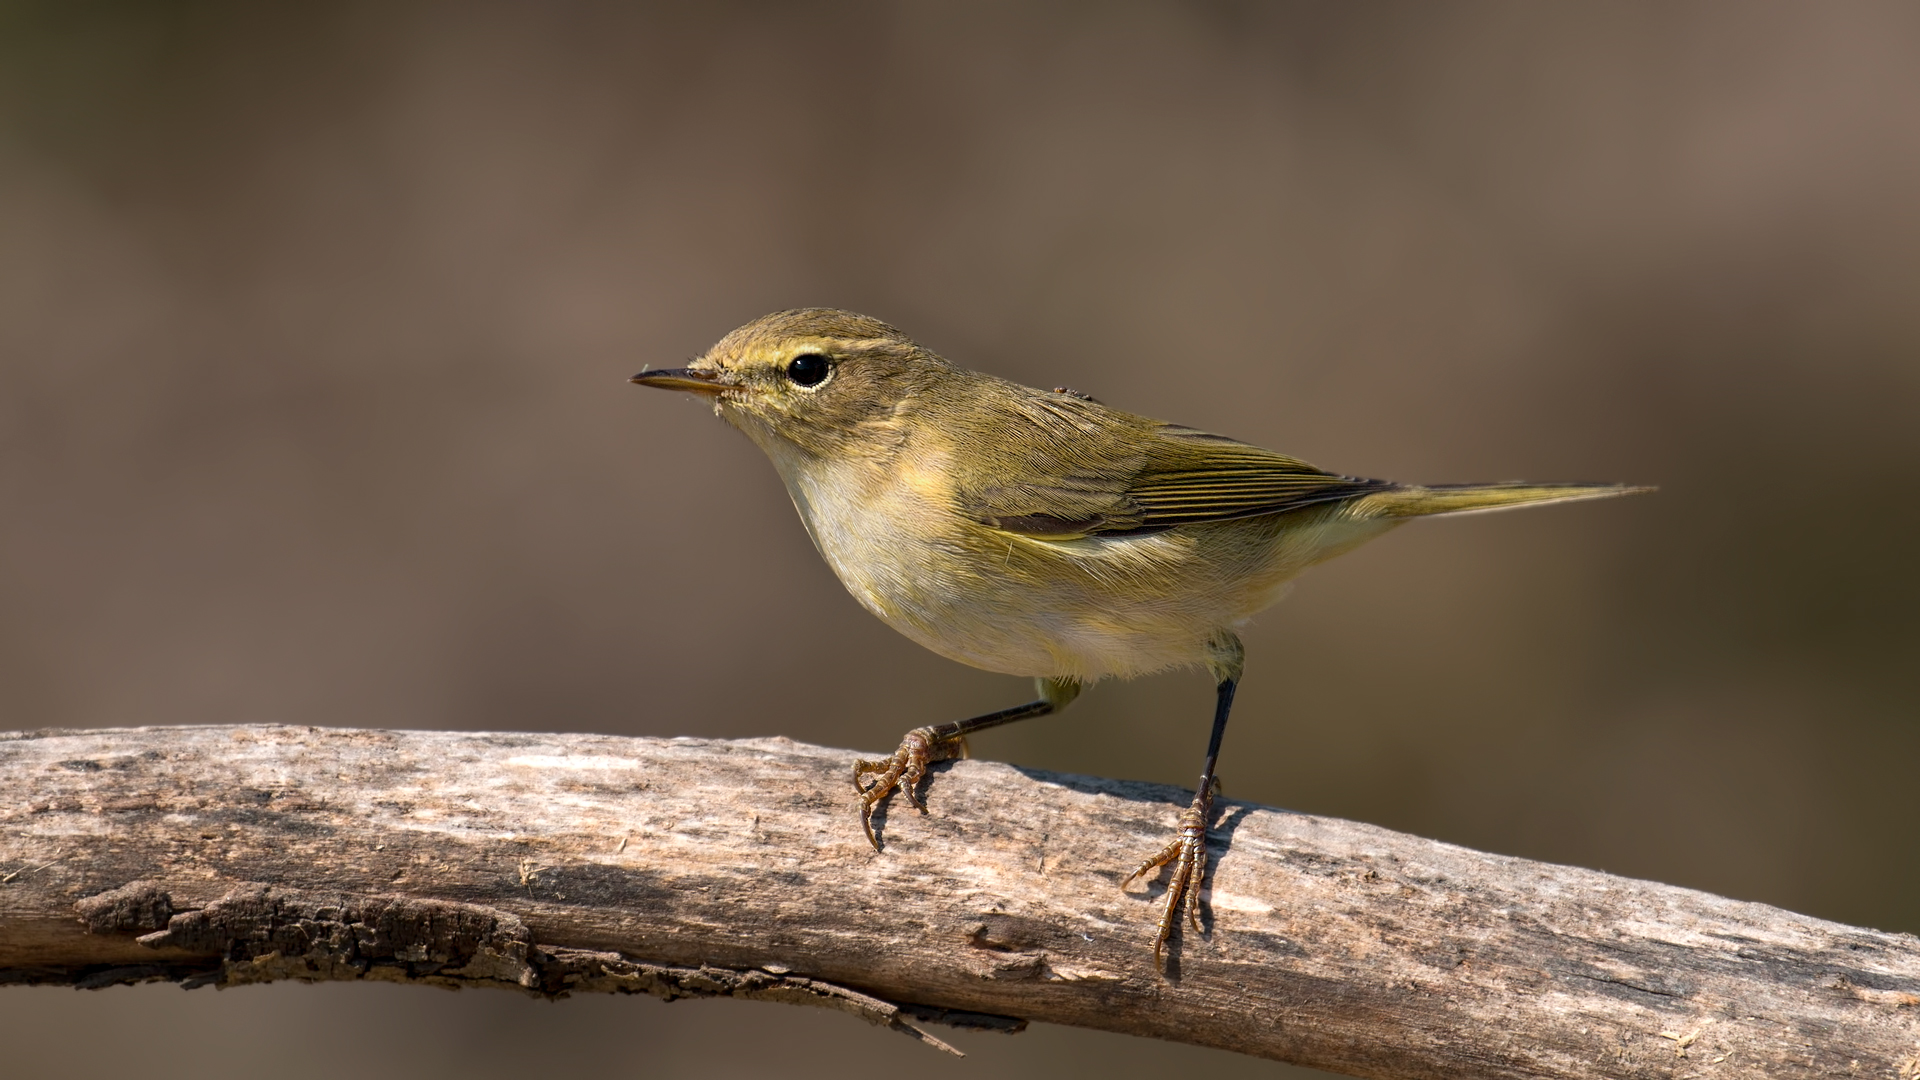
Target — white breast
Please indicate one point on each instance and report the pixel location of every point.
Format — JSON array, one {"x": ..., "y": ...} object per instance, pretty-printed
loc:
[{"x": 1086, "y": 608}]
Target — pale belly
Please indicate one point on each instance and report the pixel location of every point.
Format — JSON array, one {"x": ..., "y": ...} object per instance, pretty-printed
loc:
[{"x": 1087, "y": 608}]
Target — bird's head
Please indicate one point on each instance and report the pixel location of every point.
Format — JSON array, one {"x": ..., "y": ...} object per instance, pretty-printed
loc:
[{"x": 819, "y": 380}]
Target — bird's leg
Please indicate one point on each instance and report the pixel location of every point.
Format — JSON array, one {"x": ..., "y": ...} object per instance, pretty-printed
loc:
[
  {"x": 939, "y": 742},
  {"x": 1188, "y": 851}
]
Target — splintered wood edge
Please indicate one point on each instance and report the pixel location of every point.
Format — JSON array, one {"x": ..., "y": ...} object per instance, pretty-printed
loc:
[{"x": 558, "y": 864}]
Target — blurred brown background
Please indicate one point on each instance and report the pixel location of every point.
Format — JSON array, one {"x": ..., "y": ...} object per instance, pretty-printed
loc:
[{"x": 315, "y": 321}]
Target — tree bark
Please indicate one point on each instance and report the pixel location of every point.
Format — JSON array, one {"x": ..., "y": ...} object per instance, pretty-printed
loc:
[{"x": 571, "y": 863}]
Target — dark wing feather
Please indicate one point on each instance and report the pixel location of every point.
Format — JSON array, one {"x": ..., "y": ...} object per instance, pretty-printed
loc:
[
  {"x": 1192, "y": 476},
  {"x": 1076, "y": 468}
]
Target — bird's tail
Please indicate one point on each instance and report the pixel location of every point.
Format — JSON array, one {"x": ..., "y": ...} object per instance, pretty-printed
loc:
[{"x": 1414, "y": 501}]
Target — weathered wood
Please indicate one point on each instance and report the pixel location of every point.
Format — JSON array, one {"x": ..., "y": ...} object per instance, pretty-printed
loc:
[{"x": 558, "y": 863}]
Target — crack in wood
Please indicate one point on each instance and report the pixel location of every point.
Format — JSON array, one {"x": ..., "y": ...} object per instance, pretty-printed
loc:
[{"x": 259, "y": 933}]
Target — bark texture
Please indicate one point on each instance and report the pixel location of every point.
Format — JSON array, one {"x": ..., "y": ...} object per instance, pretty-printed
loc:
[{"x": 571, "y": 863}]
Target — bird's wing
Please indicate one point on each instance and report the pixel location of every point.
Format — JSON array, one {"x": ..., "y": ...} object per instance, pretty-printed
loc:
[
  {"x": 1074, "y": 468},
  {"x": 1193, "y": 476}
]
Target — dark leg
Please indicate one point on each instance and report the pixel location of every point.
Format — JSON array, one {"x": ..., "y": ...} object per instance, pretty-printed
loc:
[
  {"x": 1188, "y": 851},
  {"x": 940, "y": 742}
]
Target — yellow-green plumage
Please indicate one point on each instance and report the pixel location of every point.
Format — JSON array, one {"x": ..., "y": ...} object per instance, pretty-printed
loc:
[{"x": 1038, "y": 532}]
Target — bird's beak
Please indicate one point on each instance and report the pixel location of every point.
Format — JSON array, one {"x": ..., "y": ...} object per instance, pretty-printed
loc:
[{"x": 699, "y": 382}]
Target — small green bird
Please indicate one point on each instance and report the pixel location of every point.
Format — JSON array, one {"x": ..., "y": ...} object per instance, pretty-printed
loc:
[{"x": 1041, "y": 533}]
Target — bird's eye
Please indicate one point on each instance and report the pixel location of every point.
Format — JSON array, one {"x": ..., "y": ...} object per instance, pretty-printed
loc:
[{"x": 809, "y": 369}]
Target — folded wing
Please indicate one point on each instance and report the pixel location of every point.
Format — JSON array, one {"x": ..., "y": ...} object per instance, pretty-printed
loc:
[{"x": 1072, "y": 468}]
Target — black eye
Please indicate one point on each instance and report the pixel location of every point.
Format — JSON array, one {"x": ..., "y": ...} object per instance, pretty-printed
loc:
[{"x": 809, "y": 369}]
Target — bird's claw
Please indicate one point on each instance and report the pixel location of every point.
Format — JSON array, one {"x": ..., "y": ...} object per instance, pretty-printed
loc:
[
  {"x": 902, "y": 771},
  {"x": 1188, "y": 854}
]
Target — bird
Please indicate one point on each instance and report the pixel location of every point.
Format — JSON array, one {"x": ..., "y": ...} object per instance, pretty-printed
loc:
[{"x": 1040, "y": 532}]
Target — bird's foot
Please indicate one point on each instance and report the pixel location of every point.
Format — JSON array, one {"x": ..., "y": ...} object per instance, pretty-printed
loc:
[
  {"x": 1188, "y": 854},
  {"x": 904, "y": 770}
]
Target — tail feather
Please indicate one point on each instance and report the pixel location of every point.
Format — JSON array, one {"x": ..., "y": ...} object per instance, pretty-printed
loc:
[{"x": 1415, "y": 501}]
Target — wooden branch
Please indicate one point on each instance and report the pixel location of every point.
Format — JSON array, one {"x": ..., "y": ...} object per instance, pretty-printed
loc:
[{"x": 567, "y": 863}]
